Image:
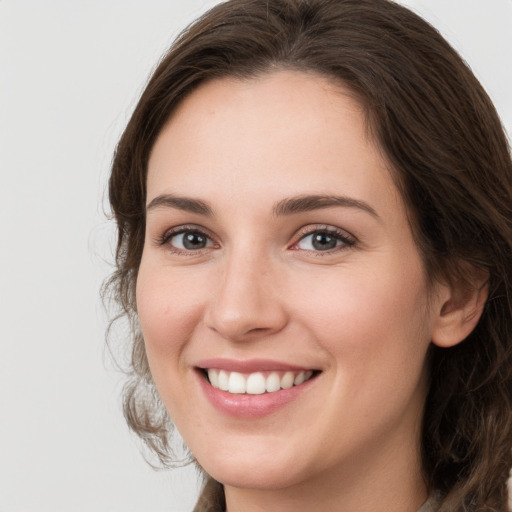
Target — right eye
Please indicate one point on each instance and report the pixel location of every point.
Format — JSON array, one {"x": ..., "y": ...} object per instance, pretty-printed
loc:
[{"x": 187, "y": 240}]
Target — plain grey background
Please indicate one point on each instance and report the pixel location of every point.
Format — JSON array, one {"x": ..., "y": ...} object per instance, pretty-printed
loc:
[{"x": 70, "y": 74}]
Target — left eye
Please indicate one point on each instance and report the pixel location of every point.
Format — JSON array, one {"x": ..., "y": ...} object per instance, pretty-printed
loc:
[
  {"x": 190, "y": 240},
  {"x": 322, "y": 241}
]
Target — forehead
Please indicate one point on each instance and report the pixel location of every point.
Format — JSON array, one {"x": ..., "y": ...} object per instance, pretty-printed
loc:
[{"x": 284, "y": 133}]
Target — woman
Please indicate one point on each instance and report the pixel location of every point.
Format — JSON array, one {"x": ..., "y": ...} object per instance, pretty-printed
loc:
[{"x": 314, "y": 209}]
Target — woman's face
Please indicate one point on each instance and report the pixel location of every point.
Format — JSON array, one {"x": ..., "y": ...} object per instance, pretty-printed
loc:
[{"x": 278, "y": 249}]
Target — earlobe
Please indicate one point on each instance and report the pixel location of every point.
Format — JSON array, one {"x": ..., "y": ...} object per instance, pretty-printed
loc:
[{"x": 460, "y": 310}]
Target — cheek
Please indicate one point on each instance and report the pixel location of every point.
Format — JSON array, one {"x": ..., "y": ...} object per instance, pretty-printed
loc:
[
  {"x": 168, "y": 309},
  {"x": 370, "y": 314}
]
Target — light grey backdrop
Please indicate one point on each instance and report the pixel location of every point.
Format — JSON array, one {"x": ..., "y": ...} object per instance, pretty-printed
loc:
[{"x": 70, "y": 73}]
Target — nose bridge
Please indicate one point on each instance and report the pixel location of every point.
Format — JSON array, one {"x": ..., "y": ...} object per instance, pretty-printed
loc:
[{"x": 245, "y": 303}]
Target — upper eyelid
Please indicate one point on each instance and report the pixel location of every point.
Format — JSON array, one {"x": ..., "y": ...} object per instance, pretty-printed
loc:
[
  {"x": 300, "y": 234},
  {"x": 163, "y": 238},
  {"x": 176, "y": 230},
  {"x": 345, "y": 237},
  {"x": 310, "y": 229}
]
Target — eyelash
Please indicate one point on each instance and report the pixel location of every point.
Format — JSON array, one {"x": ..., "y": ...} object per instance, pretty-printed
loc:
[
  {"x": 346, "y": 240},
  {"x": 170, "y": 234}
]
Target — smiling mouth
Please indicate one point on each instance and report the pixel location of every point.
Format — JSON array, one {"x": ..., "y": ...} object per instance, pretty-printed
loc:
[{"x": 256, "y": 383}]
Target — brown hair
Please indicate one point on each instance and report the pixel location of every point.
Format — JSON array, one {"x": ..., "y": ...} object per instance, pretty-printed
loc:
[{"x": 444, "y": 140}]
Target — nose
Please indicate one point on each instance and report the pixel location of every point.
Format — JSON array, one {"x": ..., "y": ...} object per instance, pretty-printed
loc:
[{"x": 247, "y": 303}]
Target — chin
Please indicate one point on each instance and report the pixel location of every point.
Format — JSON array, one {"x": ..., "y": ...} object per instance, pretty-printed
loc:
[
  {"x": 253, "y": 473},
  {"x": 261, "y": 480}
]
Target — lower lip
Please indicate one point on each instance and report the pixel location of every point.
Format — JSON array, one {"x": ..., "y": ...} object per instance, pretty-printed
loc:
[{"x": 251, "y": 406}]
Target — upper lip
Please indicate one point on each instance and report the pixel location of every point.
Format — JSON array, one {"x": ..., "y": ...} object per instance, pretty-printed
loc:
[{"x": 249, "y": 366}]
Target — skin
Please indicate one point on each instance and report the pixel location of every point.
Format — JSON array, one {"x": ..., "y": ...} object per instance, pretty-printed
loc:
[{"x": 362, "y": 312}]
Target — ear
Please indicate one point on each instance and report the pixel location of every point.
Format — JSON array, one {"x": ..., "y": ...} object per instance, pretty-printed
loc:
[{"x": 460, "y": 306}]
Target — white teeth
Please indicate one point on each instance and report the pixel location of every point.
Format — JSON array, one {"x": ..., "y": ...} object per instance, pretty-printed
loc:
[
  {"x": 223, "y": 380},
  {"x": 273, "y": 382},
  {"x": 255, "y": 383},
  {"x": 299, "y": 379},
  {"x": 213, "y": 377},
  {"x": 236, "y": 383},
  {"x": 287, "y": 380}
]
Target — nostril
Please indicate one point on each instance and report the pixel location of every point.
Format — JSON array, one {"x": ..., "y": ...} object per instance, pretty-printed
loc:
[{"x": 258, "y": 330}]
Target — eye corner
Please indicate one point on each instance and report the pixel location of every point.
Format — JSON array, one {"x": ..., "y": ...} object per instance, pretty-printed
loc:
[
  {"x": 329, "y": 239},
  {"x": 189, "y": 240}
]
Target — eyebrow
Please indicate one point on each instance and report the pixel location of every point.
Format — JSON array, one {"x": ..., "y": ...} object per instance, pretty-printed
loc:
[
  {"x": 288, "y": 206},
  {"x": 186, "y": 204},
  {"x": 306, "y": 203}
]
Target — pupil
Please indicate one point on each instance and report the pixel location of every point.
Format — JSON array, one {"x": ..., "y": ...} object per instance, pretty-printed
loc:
[
  {"x": 324, "y": 242},
  {"x": 194, "y": 241}
]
